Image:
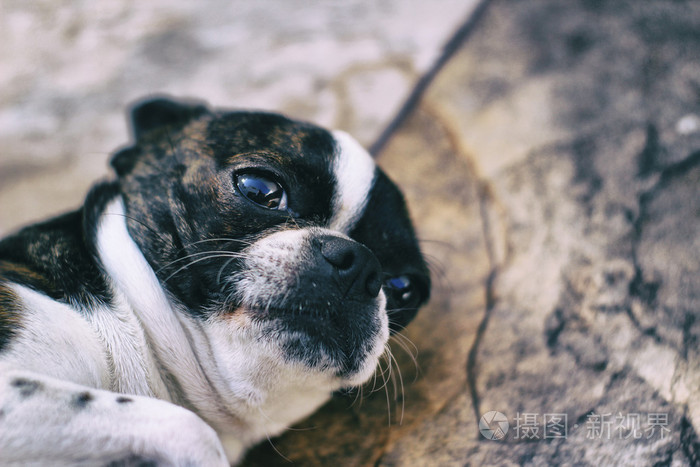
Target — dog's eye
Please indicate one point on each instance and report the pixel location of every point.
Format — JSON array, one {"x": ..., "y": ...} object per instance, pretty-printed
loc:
[
  {"x": 262, "y": 191},
  {"x": 401, "y": 288}
]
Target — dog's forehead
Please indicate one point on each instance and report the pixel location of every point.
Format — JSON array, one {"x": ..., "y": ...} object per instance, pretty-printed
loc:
[
  {"x": 333, "y": 164},
  {"x": 355, "y": 172},
  {"x": 249, "y": 132}
]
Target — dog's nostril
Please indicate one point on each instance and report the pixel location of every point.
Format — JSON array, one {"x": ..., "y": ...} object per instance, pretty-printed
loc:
[
  {"x": 338, "y": 252},
  {"x": 355, "y": 267},
  {"x": 345, "y": 261}
]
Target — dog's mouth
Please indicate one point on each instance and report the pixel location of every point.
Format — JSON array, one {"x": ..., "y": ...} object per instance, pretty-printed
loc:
[
  {"x": 315, "y": 296},
  {"x": 346, "y": 342}
]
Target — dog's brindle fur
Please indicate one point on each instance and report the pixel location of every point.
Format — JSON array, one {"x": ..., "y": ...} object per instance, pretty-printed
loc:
[{"x": 175, "y": 287}]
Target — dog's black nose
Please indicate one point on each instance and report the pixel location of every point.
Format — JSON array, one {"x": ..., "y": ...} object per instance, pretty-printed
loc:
[{"x": 354, "y": 266}]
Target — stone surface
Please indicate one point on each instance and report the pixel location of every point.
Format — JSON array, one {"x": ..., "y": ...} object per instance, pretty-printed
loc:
[
  {"x": 553, "y": 171},
  {"x": 572, "y": 119}
]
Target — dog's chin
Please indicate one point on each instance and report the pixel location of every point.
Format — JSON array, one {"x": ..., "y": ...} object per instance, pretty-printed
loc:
[{"x": 343, "y": 347}]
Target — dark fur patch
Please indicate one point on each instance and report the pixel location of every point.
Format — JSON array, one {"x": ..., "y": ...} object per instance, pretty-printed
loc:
[
  {"x": 57, "y": 257},
  {"x": 81, "y": 400},
  {"x": 133, "y": 460},
  {"x": 161, "y": 112},
  {"x": 25, "y": 386},
  {"x": 124, "y": 160},
  {"x": 10, "y": 318}
]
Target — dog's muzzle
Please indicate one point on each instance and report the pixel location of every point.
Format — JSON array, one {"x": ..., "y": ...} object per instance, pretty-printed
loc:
[{"x": 320, "y": 294}]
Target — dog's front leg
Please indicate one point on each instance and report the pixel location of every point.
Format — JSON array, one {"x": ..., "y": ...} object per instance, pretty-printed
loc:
[{"x": 45, "y": 421}]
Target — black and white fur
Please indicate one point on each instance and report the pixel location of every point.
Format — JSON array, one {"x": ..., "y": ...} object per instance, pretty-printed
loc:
[{"x": 240, "y": 269}]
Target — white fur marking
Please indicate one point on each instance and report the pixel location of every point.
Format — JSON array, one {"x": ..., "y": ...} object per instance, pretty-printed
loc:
[
  {"x": 135, "y": 370},
  {"x": 134, "y": 278},
  {"x": 354, "y": 172},
  {"x": 46, "y": 342}
]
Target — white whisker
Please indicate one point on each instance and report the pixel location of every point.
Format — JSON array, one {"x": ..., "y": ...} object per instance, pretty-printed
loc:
[
  {"x": 269, "y": 440},
  {"x": 221, "y": 270},
  {"x": 222, "y": 239},
  {"x": 193, "y": 255},
  {"x": 410, "y": 348},
  {"x": 211, "y": 256},
  {"x": 388, "y": 399},
  {"x": 403, "y": 399}
]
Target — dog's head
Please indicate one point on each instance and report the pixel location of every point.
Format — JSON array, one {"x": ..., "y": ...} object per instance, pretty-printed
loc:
[{"x": 274, "y": 232}]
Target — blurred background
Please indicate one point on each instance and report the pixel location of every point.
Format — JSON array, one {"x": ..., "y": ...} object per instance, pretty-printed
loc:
[{"x": 70, "y": 68}]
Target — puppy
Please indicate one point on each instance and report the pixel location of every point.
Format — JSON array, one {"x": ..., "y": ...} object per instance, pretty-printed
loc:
[{"x": 240, "y": 269}]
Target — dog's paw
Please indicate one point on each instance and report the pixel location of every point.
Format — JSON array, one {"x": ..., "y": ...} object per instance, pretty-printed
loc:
[
  {"x": 104, "y": 428},
  {"x": 175, "y": 436}
]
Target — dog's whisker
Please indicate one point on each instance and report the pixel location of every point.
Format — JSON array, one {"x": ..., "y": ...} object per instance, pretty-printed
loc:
[
  {"x": 193, "y": 263},
  {"x": 388, "y": 399},
  {"x": 406, "y": 345},
  {"x": 358, "y": 395},
  {"x": 277, "y": 451},
  {"x": 387, "y": 372},
  {"x": 214, "y": 253},
  {"x": 393, "y": 311},
  {"x": 357, "y": 399},
  {"x": 403, "y": 339},
  {"x": 269, "y": 439},
  {"x": 381, "y": 373},
  {"x": 223, "y": 240},
  {"x": 220, "y": 239},
  {"x": 401, "y": 385},
  {"x": 410, "y": 349},
  {"x": 392, "y": 376},
  {"x": 221, "y": 270},
  {"x": 143, "y": 224},
  {"x": 377, "y": 371},
  {"x": 374, "y": 377}
]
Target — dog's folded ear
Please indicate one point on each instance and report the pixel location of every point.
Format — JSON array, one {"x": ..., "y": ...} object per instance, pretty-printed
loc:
[
  {"x": 162, "y": 111},
  {"x": 152, "y": 114},
  {"x": 123, "y": 161}
]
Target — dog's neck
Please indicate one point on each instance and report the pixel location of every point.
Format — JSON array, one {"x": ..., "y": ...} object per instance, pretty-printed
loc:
[
  {"x": 180, "y": 361},
  {"x": 139, "y": 291}
]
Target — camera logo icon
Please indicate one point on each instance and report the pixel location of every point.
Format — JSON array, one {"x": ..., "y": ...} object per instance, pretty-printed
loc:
[{"x": 493, "y": 425}]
